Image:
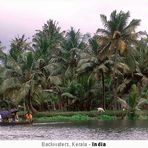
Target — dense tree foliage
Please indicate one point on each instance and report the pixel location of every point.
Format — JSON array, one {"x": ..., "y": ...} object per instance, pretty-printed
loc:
[{"x": 71, "y": 71}]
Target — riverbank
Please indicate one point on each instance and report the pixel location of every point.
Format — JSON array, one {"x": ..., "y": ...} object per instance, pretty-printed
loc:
[{"x": 44, "y": 117}]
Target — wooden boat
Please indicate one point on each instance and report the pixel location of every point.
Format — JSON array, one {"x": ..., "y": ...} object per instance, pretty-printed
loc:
[
  {"x": 10, "y": 118},
  {"x": 15, "y": 123}
]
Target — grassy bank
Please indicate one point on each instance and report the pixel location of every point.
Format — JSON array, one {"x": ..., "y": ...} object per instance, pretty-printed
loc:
[
  {"x": 84, "y": 116},
  {"x": 77, "y": 116},
  {"x": 88, "y": 113},
  {"x": 59, "y": 118}
]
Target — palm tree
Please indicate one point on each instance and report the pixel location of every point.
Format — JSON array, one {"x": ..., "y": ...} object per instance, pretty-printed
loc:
[
  {"x": 2, "y": 54},
  {"x": 47, "y": 41},
  {"x": 118, "y": 27},
  {"x": 93, "y": 42},
  {"x": 141, "y": 54},
  {"x": 74, "y": 43},
  {"x": 18, "y": 75},
  {"x": 80, "y": 93},
  {"x": 103, "y": 67},
  {"x": 134, "y": 66},
  {"x": 49, "y": 62},
  {"x": 19, "y": 45},
  {"x": 74, "y": 39},
  {"x": 134, "y": 102},
  {"x": 18, "y": 80},
  {"x": 116, "y": 38}
]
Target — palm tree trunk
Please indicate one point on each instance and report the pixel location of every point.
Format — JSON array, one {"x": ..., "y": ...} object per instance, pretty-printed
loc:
[
  {"x": 33, "y": 110},
  {"x": 103, "y": 90},
  {"x": 115, "y": 80},
  {"x": 26, "y": 108},
  {"x": 29, "y": 105},
  {"x": 54, "y": 106}
]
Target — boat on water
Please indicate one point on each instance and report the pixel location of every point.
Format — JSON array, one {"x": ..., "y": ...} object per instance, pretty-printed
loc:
[
  {"x": 15, "y": 123},
  {"x": 10, "y": 117}
]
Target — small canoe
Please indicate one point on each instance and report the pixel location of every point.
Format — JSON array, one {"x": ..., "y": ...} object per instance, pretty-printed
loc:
[{"x": 14, "y": 123}]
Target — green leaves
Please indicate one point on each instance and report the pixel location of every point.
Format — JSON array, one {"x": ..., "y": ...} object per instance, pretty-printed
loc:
[
  {"x": 27, "y": 61},
  {"x": 74, "y": 39},
  {"x": 2, "y": 54},
  {"x": 123, "y": 85},
  {"x": 142, "y": 102},
  {"x": 47, "y": 40},
  {"x": 86, "y": 66},
  {"x": 133, "y": 25},
  {"x": 10, "y": 88},
  {"x": 123, "y": 103},
  {"x": 18, "y": 46},
  {"x": 104, "y": 20},
  {"x": 12, "y": 65},
  {"x": 133, "y": 96},
  {"x": 69, "y": 95},
  {"x": 123, "y": 68},
  {"x": 55, "y": 80},
  {"x": 73, "y": 69}
]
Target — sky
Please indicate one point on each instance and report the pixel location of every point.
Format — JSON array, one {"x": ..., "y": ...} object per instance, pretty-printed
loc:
[{"x": 19, "y": 17}]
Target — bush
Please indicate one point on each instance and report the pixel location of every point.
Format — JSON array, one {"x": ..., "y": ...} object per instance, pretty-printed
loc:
[
  {"x": 106, "y": 117},
  {"x": 62, "y": 118},
  {"x": 68, "y": 114},
  {"x": 80, "y": 118}
]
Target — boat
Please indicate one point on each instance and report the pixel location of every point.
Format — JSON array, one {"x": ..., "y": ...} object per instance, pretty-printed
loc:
[
  {"x": 15, "y": 123},
  {"x": 10, "y": 118}
]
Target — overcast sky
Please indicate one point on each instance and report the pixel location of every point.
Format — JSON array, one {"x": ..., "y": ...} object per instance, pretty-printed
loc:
[{"x": 19, "y": 17}]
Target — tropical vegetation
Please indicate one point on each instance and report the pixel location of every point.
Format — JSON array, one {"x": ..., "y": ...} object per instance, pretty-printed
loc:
[{"x": 70, "y": 71}]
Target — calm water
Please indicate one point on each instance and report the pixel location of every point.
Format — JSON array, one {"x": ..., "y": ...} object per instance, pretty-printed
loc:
[{"x": 96, "y": 130}]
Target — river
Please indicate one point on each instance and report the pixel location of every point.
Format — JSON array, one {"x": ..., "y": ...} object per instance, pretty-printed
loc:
[{"x": 94, "y": 130}]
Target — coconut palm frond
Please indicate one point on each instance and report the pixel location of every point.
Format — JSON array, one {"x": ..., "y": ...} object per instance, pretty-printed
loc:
[
  {"x": 103, "y": 31},
  {"x": 104, "y": 52},
  {"x": 85, "y": 67},
  {"x": 56, "y": 80},
  {"x": 122, "y": 47},
  {"x": 144, "y": 80},
  {"x": 123, "y": 85},
  {"x": 69, "y": 95},
  {"x": 142, "y": 102},
  {"x": 30, "y": 60},
  {"x": 103, "y": 68},
  {"x": 132, "y": 26},
  {"x": 104, "y": 20},
  {"x": 23, "y": 91},
  {"x": 123, "y": 67},
  {"x": 122, "y": 102},
  {"x": 50, "y": 68},
  {"x": 2, "y": 54},
  {"x": 10, "y": 84},
  {"x": 12, "y": 64},
  {"x": 82, "y": 61},
  {"x": 87, "y": 60}
]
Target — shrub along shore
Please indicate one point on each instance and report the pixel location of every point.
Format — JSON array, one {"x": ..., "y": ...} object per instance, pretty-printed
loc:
[{"x": 45, "y": 117}]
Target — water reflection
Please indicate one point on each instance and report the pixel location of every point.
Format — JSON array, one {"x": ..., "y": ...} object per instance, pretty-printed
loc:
[{"x": 94, "y": 130}]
